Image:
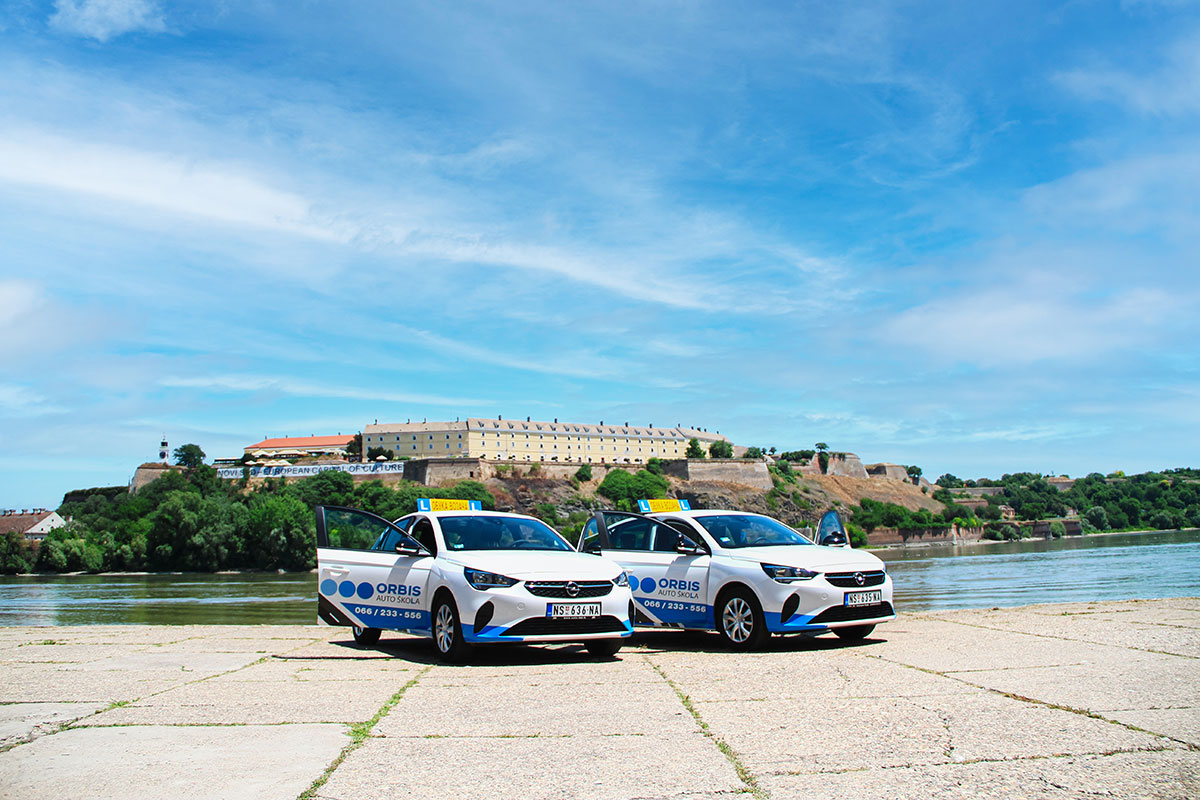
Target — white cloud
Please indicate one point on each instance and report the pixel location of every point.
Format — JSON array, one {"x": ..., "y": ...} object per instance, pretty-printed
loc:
[
  {"x": 1020, "y": 325},
  {"x": 1172, "y": 90},
  {"x": 170, "y": 183},
  {"x": 256, "y": 383},
  {"x": 104, "y": 19}
]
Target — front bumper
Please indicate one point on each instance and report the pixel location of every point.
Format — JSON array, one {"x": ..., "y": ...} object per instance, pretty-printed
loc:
[
  {"x": 817, "y": 605},
  {"x": 513, "y": 614}
]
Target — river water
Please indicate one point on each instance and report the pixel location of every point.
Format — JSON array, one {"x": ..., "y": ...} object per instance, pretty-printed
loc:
[{"x": 1116, "y": 567}]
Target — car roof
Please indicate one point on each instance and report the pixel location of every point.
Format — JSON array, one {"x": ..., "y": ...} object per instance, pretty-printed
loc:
[
  {"x": 463, "y": 512},
  {"x": 707, "y": 512}
]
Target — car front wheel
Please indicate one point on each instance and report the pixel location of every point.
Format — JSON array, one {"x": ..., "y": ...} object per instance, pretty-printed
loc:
[
  {"x": 447, "y": 632},
  {"x": 740, "y": 621},
  {"x": 364, "y": 636}
]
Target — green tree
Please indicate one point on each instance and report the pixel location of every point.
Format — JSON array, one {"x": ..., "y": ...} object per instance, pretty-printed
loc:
[
  {"x": 584, "y": 473},
  {"x": 354, "y": 448},
  {"x": 753, "y": 452},
  {"x": 694, "y": 450},
  {"x": 16, "y": 554},
  {"x": 1098, "y": 517},
  {"x": 655, "y": 465},
  {"x": 375, "y": 452},
  {"x": 189, "y": 456},
  {"x": 721, "y": 448},
  {"x": 1057, "y": 529},
  {"x": 821, "y": 447},
  {"x": 625, "y": 489},
  {"x": 948, "y": 481},
  {"x": 914, "y": 472}
]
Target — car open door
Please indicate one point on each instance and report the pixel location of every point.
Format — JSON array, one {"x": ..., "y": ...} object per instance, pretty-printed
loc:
[
  {"x": 370, "y": 573},
  {"x": 668, "y": 571}
]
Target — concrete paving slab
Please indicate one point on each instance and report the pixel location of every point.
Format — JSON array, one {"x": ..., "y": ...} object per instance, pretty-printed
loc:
[
  {"x": 1182, "y": 724},
  {"x": 531, "y": 709},
  {"x": 212, "y": 703},
  {"x": 251, "y": 762},
  {"x": 595, "y": 767},
  {"x": 574, "y": 668},
  {"x": 733, "y": 676},
  {"x": 52, "y": 683},
  {"x": 215, "y": 644},
  {"x": 1169, "y": 775},
  {"x": 21, "y": 720},
  {"x": 197, "y": 665},
  {"x": 1121, "y": 630},
  {"x": 948, "y": 647},
  {"x": 65, "y": 653},
  {"x": 1123, "y": 680},
  {"x": 286, "y": 670},
  {"x": 839, "y": 734}
]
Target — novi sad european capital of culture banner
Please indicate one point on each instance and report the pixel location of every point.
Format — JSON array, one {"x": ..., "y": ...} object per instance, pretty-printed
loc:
[{"x": 369, "y": 468}]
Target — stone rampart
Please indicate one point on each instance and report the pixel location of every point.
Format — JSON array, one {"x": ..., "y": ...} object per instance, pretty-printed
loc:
[
  {"x": 845, "y": 464},
  {"x": 747, "y": 472}
]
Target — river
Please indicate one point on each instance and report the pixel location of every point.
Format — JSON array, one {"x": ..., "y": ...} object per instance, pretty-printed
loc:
[{"x": 1113, "y": 567}]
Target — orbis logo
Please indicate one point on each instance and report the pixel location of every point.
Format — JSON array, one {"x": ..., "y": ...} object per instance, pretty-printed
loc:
[
  {"x": 398, "y": 589},
  {"x": 647, "y": 585},
  {"x": 364, "y": 590}
]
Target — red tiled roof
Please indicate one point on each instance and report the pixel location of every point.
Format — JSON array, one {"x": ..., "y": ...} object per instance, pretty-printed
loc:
[
  {"x": 21, "y": 522},
  {"x": 302, "y": 442}
]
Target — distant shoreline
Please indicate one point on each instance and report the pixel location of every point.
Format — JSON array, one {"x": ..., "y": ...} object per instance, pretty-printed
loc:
[{"x": 978, "y": 542}]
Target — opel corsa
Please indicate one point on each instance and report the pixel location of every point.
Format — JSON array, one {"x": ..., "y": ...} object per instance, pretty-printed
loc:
[{"x": 463, "y": 576}]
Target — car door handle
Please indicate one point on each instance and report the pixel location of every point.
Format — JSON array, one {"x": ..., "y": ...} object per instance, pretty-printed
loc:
[{"x": 337, "y": 571}]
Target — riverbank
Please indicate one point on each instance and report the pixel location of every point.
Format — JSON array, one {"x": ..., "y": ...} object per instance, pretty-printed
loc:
[
  {"x": 948, "y": 544},
  {"x": 1049, "y": 701}
]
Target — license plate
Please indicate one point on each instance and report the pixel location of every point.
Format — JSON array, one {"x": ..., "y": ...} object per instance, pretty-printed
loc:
[
  {"x": 864, "y": 598},
  {"x": 572, "y": 610}
]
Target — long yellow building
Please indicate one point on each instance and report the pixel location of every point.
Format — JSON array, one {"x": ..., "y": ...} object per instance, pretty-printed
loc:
[{"x": 529, "y": 440}]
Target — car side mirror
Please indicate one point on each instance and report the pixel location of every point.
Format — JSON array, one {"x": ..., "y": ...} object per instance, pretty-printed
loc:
[
  {"x": 685, "y": 546},
  {"x": 408, "y": 549},
  {"x": 835, "y": 539}
]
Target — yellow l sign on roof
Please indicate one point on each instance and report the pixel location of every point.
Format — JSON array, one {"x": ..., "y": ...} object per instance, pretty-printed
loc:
[
  {"x": 447, "y": 504},
  {"x": 667, "y": 504}
]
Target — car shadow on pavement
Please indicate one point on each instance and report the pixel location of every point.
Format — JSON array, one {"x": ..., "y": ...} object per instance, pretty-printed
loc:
[
  {"x": 669, "y": 641},
  {"x": 420, "y": 650}
]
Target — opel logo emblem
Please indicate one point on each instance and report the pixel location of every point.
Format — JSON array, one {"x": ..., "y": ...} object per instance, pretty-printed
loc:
[
  {"x": 859, "y": 578},
  {"x": 573, "y": 588}
]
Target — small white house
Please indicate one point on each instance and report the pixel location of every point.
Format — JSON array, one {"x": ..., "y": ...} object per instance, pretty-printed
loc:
[{"x": 34, "y": 524}]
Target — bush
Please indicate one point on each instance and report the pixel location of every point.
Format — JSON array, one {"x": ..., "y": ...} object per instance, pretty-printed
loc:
[
  {"x": 858, "y": 537},
  {"x": 753, "y": 452},
  {"x": 1057, "y": 529},
  {"x": 584, "y": 473},
  {"x": 375, "y": 452},
  {"x": 625, "y": 489},
  {"x": 655, "y": 465},
  {"x": 1163, "y": 521}
]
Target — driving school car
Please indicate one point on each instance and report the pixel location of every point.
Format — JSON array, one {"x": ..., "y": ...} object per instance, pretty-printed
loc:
[
  {"x": 743, "y": 575},
  {"x": 464, "y": 576}
]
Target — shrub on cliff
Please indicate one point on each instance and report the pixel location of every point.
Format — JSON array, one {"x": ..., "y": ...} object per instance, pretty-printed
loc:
[{"x": 625, "y": 489}]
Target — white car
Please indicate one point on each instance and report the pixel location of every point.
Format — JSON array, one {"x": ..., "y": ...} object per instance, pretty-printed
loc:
[
  {"x": 465, "y": 576},
  {"x": 743, "y": 575}
]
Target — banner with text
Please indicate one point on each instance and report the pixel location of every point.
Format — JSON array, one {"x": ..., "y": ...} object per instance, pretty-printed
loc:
[{"x": 302, "y": 470}]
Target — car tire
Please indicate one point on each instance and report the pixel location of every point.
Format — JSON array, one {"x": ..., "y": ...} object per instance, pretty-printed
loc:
[
  {"x": 448, "y": 633},
  {"x": 364, "y": 637},
  {"x": 854, "y": 632},
  {"x": 741, "y": 622},
  {"x": 604, "y": 648}
]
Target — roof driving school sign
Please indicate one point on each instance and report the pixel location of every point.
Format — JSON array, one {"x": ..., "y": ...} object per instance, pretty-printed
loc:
[{"x": 367, "y": 468}]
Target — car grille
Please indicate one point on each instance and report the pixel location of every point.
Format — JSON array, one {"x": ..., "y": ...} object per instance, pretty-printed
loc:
[
  {"x": 559, "y": 588},
  {"x": 851, "y": 613},
  {"x": 847, "y": 581},
  {"x": 541, "y": 626}
]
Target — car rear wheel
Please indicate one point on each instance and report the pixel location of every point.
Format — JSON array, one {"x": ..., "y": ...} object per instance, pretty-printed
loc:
[
  {"x": 604, "y": 648},
  {"x": 364, "y": 636},
  {"x": 740, "y": 621},
  {"x": 447, "y": 632},
  {"x": 854, "y": 632}
]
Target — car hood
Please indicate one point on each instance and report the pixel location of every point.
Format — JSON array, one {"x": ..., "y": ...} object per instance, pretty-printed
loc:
[
  {"x": 539, "y": 564},
  {"x": 815, "y": 557}
]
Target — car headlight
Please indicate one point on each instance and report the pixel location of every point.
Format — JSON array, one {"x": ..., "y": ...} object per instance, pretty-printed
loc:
[
  {"x": 788, "y": 574},
  {"x": 488, "y": 580},
  {"x": 621, "y": 580}
]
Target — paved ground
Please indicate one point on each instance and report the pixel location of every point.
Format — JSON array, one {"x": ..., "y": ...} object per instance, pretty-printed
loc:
[{"x": 1064, "y": 701}]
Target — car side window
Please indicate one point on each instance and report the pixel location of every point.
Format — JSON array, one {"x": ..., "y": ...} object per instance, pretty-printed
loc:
[
  {"x": 393, "y": 536},
  {"x": 629, "y": 532},
  {"x": 422, "y": 531}
]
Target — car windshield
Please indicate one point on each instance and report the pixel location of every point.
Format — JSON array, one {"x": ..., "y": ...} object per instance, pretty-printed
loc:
[
  {"x": 749, "y": 530},
  {"x": 499, "y": 533}
]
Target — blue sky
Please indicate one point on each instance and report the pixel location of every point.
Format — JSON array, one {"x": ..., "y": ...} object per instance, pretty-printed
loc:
[{"x": 958, "y": 235}]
